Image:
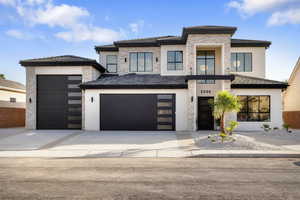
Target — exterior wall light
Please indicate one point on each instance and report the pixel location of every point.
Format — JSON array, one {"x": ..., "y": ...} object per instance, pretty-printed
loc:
[
  {"x": 156, "y": 59},
  {"x": 192, "y": 98},
  {"x": 92, "y": 99},
  {"x": 125, "y": 59},
  {"x": 30, "y": 100}
]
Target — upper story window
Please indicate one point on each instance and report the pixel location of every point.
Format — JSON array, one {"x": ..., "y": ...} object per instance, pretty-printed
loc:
[
  {"x": 13, "y": 100},
  {"x": 112, "y": 63},
  {"x": 254, "y": 108},
  {"x": 241, "y": 62},
  {"x": 206, "y": 65},
  {"x": 175, "y": 60},
  {"x": 141, "y": 62}
]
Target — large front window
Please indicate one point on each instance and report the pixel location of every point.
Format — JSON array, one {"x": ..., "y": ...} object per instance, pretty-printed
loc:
[
  {"x": 206, "y": 65},
  {"x": 140, "y": 62},
  {"x": 175, "y": 60},
  {"x": 254, "y": 108},
  {"x": 241, "y": 62}
]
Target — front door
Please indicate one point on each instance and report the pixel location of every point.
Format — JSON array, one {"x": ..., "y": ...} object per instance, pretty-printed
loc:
[{"x": 205, "y": 117}]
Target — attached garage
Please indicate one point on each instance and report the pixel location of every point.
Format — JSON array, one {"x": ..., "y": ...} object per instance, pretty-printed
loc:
[
  {"x": 58, "y": 102},
  {"x": 138, "y": 112},
  {"x": 53, "y": 96}
]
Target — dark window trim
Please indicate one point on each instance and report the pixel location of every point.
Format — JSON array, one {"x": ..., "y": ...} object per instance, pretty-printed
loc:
[
  {"x": 244, "y": 67},
  {"x": 205, "y": 59},
  {"x": 247, "y": 112},
  {"x": 174, "y": 61},
  {"x": 137, "y": 61},
  {"x": 12, "y": 100},
  {"x": 116, "y": 64}
]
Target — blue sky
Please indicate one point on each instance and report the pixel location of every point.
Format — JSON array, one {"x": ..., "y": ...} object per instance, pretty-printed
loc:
[{"x": 41, "y": 28}]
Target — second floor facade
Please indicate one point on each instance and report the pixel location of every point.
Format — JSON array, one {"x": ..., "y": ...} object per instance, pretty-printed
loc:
[{"x": 200, "y": 50}]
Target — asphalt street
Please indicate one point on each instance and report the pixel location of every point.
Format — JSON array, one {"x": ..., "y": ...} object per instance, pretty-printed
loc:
[{"x": 141, "y": 178}]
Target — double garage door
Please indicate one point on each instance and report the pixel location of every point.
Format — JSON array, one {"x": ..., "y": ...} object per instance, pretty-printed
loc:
[
  {"x": 137, "y": 111},
  {"x": 58, "y": 102}
]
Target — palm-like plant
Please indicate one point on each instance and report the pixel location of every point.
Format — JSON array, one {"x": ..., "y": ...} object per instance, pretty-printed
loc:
[{"x": 224, "y": 102}]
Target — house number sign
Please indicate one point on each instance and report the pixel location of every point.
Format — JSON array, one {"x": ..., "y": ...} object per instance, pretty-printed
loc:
[{"x": 205, "y": 91}]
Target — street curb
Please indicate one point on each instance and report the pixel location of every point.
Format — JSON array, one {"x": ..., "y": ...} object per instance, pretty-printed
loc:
[{"x": 245, "y": 156}]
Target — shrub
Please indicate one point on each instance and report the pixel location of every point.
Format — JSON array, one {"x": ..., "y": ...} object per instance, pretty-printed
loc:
[
  {"x": 266, "y": 127},
  {"x": 232, "y": 125}
]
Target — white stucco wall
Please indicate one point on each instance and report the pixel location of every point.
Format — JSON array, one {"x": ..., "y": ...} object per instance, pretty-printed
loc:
[
  {"x": 276, "y": 109},
  {"x": 258, "y": 60},
  {"x": 92, "y": 109},
  {"x": 164, "y": 59}
]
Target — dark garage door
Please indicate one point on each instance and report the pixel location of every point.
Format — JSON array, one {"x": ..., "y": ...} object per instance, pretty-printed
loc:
[
  {"x": 58, "y": 102},
  {"x": 137, "y": 112}
]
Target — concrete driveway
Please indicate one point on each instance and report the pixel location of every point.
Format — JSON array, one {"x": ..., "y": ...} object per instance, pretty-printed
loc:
[{"x": 53, "y": 143}]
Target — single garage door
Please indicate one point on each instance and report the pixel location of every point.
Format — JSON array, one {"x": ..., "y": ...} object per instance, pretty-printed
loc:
[
  {"x": 137, "y": 112},
  {"x": 58, "y": 102}
]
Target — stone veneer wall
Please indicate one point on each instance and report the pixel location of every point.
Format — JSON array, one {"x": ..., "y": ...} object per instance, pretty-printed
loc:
[
  {"x": 123, "y": 67},
  {"x": 30, "y": 121},
  {"x": 205, "y": 40}
]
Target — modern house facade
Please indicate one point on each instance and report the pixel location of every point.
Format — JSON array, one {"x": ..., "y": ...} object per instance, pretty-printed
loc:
[
  {"x": 291, "y": 112},
  {"x": 158, "y": 83},
  {"x": 12, "y": 103}
]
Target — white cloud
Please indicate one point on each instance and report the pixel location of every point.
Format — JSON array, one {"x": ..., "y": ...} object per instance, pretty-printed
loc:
[
  {"x": 8, "y": 2},
  {"x": 291, "y": 16},
  {"x": 85, "y": 33},
  {"x": 62, "y": 15},
  {"x": 282, "y": 11},
  {"x": 136, "y": 26},
  {"x": 72, "y": 19},
  {"x": 16, "y": 34}
]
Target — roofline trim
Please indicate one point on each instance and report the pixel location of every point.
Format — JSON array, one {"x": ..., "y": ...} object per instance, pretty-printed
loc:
[
  {"x": 259, "y": 86},
  {"x": 63, "y": 63},
  {"x": 156, "y": 86}
]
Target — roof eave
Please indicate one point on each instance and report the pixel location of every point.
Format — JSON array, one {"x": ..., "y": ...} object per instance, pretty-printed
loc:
[
  {"x": 259, "y": 86},
  {"x": 156, "y": 86}
]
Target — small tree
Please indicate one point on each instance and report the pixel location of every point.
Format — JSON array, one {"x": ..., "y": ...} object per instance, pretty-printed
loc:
[
  {"x": 224, "y": 102},
  {"x": 2, "y": 76}
]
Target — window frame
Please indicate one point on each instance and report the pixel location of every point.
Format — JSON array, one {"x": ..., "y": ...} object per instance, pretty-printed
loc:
[
  {"x": 12, "y": 99},
  {"x": 205, "y": 60},
  {"x": 259, "y": 112},
  {"x": 116, "y": 64},
  {"x": 137, "y": 61},
  {"x": 244, "y": 61},
  {"x": 175, "y": 62}
]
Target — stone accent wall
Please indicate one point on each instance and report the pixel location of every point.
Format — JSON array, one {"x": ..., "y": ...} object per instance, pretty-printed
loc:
[
  {"x": 221, "y": 44},
  {"x": 192, "y": 93},
  {"x": 30, "y": 94},
  {"x": 206, "y": 40},
  {"x": 123, "y": 67}
]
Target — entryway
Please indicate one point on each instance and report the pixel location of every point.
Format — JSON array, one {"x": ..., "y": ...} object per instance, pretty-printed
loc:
[{"x": 205, "y": 117}]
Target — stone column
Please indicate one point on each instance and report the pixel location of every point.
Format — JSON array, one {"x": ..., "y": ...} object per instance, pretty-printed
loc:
[{"x": 30, "y": 98}]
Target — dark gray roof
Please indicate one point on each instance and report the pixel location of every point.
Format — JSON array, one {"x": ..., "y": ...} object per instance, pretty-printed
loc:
[
  {"x": 150, "y": 41},
  {"x": 242, "y": 81},
  {"x": 208, "y": 30},
  {"x": 249, "y": 43},
  {"x": 65, "y": 60},
  {"x": 11, "y": 84},
  {"x": 173, "y": 40},
  {"x": 136, "y": 81}
]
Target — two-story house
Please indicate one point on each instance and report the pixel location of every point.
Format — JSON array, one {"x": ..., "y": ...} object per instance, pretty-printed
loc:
[{"x": 157, "y": 83}]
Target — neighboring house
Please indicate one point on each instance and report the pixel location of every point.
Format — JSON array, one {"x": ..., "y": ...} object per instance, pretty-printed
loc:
[
  {"x": 291, "y": 114},
  {"x": 158, "y": 83},
  {"x": 12, "y": 104}
]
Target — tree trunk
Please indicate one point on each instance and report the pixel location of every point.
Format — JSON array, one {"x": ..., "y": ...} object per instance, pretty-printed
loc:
[{"x": 222, "y": 123}]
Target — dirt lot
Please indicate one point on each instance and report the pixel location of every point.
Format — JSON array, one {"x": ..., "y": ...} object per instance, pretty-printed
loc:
[{"x": 132, "y": 178}]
